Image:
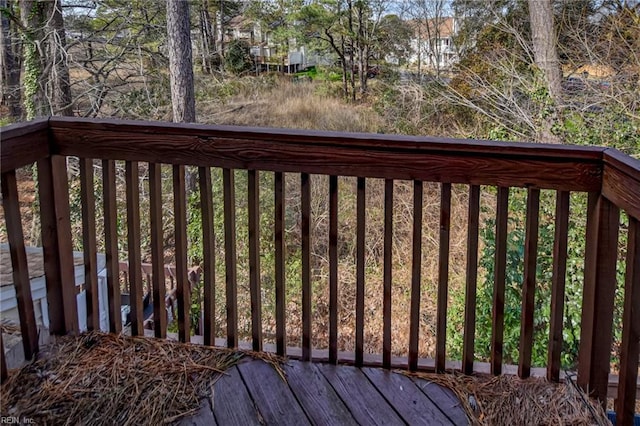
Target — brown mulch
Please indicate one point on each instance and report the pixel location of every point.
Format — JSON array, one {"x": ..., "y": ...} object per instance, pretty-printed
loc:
[
  {"x": 509, "y": 400},
  {"x": 99, "y": 378}
]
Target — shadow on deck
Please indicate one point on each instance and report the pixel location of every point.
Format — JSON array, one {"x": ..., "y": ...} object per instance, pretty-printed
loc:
[{"x": 253, "y": 393}]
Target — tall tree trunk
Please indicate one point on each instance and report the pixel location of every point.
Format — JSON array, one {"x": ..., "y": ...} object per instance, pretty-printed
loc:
[
  {"x": 351, "y": 50},
  {"x": 59, "y": 86},
  {"x": 207, "y": 38},
  {"x": 544, "y": 45},
  {"x": 180, "y": 61},
  {"x": 222, "y": 30},
  {"x": 9, "y": 64},
  {"x": 47, "y": 89},
  {"x": 546, "y": 57},
  {"x": 32, "y": 18}
]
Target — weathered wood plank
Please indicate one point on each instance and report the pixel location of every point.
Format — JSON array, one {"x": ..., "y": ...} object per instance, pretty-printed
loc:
[
  {"x": 598, "y": 299},
  {"x": 416, "y": 270},
  {"x": 281, "y": 303},
  {"x": 228, "y": 183},
  {"x": 621, "y": 181},
  {"x": 133, "y": 246},
  {"x": 558, "y": 285},
  {"x": 305, "y": 190},
  {"x": 529, "y": 285},
  {"x": 444, "y": 399},
  {"x": 630, "y": 347},
  {"x": 473, "y": 225},
  {"x": 21, "y": 282},
  {"x": 423, "y": 143},
  {"x": 333, "y": 269},
  {"x": 387, "y": 272},
  {"x": 272, "y": 396},
  {"x": 24, "y": 144},
  {"x": 360, "y": 249},
  {"x": 411, "y": 403},
  {"x": 183, "y": 287},
  {"x": 53, "y": 192},
  {"x": 443, "y": 276},
  {"x": 232, "y": 404},
  {"x": 111, "y": 243},
  {"x": 366, "y": 404},
  {"x": 203, "y": 417},
  {"x": 88, "y": 201},
  {"x": 253, "y": 193},
  {"x": 209, "y": 258},
  {"x": 157, "y": 252},
  {"x": 382, "y": 156},
  {"x": 500, "y": 267},
  {"x": 316, "y": 396}
]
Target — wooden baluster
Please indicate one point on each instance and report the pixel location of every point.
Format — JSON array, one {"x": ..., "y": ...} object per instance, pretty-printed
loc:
[
  {"x": 416, "y": 269},
  {"x": 529, "y": 285},
  {"x": 630, "y": 347},
  {"x": 360, "y": 263},
  {"x": 21, "y": 282},
  {"x": 88, "y": 201},
  {"x": 133, "y": 243},
  {"x": 306, "y": 265},
  {"x": 497, "y": 328},
  {"x": 598, "y": 296},
  {"x": 183, "y": 288},
  {"x": 387, "y": 271},
  {"x": 111, "y": 244},
  {"x": 157, "y": 252},
  {"x": 473, "y": 225},
  {"x": 558, "y": 285},
  {"x": 228, "y": 183},
  {"x": 53, "y": 192},
  {"x": 281, "y": 303},
  {"x": 254, "y": 258},
  {"x": 333, "y": 269},
  {"x": 209, "y": 255},
  {"x": 443, "y": 276}
]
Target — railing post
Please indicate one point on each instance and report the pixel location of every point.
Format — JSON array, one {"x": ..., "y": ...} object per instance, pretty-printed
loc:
[
  {"x": 598, "y": 296},
  {"x": 630, "y": 346},
  {"x": 53, "y": 190}
]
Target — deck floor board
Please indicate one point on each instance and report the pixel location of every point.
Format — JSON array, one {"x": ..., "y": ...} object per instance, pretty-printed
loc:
[
  {"x": 445, "y": 400},
  {"x": 253, "y": 393},
  {"x": 232, "y": 404},
  {"x": 361, "y": 397},
  {"x": 410, "y": 402},
  {"x": 272, "y": 396},
  {"x": 316, "y": 395}
]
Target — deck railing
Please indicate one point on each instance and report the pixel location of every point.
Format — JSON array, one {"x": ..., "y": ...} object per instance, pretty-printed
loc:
[{"x": 611, "y": 179}]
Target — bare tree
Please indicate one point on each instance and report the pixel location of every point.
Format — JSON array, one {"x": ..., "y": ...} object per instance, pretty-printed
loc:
[
  {"x": 429, "y": 20},
  {"x": 180, "y": 61},
  {"x": 46, "y": 73},
  {"x": 544, "y": 39},
  {"x": 10, "y": 53}
]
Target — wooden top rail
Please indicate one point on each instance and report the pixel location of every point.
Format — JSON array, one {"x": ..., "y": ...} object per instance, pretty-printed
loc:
[
  {"x": 621, "y": 181},
  {"x": 346, "y": 154},
  {"x": 24, "y": 143}
]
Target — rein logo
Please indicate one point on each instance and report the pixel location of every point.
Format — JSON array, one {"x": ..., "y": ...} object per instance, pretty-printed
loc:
[{"x": 13, "y": 420}]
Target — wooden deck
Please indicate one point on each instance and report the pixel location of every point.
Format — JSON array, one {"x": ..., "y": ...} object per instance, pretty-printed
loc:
[{"x": 252, "y": 393}]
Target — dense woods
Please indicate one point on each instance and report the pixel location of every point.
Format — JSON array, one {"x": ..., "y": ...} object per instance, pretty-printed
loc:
[{"x": 559, "y": 71}]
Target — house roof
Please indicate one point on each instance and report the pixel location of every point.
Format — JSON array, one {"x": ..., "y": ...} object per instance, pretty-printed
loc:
[{"x": 441, "y": 27}]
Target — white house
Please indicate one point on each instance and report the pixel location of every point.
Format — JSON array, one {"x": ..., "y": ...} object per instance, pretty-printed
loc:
[{"x": 432, "y": 43}]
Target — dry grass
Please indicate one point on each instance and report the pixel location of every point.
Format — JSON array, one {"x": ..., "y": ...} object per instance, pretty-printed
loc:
[
  {"x": 509, "y": 400},
  {"x": 101, "y": 378},
  {"x": 282, "y": 103}
]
